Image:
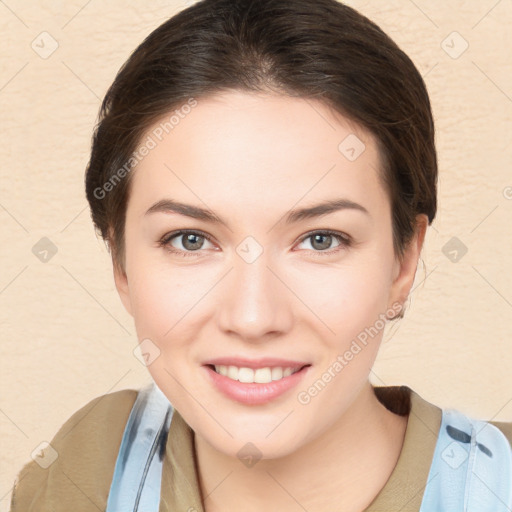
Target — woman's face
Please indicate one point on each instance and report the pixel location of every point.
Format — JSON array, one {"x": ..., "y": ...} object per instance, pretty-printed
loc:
[{"x": 259, "y": 283}]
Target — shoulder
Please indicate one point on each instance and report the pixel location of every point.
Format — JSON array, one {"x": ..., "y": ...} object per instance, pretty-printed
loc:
[
  {"x": 78, "y": 465},
  {"x": 505, "y": 428}
]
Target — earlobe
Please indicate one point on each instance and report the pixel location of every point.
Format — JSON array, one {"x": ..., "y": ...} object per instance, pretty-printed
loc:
[
  {"x": 121, "y": 281},
  {"x": 406, "y": 267}
]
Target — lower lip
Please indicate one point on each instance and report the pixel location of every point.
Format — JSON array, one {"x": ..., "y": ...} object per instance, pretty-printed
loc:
[{"x": 254, "y": 393}]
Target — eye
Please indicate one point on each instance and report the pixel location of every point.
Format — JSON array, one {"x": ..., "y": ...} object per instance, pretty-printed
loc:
[
  {"x": 322, "y": 240},
  {"x": 190, "y": 241}
]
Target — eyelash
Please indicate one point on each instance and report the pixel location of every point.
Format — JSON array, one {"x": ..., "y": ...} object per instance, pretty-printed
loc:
[{"x": 344, "y": 240}]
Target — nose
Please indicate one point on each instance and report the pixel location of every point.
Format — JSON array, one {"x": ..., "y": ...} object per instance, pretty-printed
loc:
[{"x": 255, "y": 302}]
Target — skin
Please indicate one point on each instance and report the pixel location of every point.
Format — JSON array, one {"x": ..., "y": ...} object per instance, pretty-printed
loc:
[{"x": 251, "y": 158}]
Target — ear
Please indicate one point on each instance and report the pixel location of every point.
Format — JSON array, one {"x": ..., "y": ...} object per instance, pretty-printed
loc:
[
  {"x": 405, "y": 268},
  {"x": 121, "y": 280}
]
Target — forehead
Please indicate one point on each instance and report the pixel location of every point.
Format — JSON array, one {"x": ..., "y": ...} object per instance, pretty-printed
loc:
[{"x": 247, "y": 148}]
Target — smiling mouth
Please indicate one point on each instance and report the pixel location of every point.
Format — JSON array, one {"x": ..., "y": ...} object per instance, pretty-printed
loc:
[{"x": 262, "y": 375}]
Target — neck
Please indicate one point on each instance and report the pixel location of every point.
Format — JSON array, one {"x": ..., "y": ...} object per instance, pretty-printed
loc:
[{"x": 344, "y": 468}]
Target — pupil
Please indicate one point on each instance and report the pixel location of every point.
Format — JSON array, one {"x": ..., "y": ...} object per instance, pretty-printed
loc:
[
  {"x": 325, "y": 245},
  {"x": 193, "y": 239}
]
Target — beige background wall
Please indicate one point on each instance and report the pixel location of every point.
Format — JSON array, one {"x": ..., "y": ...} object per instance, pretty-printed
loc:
[{"x": 65, "y": 337}]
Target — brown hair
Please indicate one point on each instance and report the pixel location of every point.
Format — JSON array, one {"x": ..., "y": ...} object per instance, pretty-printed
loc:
[{"x": 317, "y": 49}]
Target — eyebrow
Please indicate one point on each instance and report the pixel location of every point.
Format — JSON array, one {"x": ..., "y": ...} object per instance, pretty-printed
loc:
[{"x": 297, "y": 215}]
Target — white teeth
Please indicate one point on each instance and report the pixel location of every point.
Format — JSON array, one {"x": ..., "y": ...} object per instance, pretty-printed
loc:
[
  {"x": 246, "y": 374},
  {"x": 277, "y": 373},
  {"x": 232, "y": 372},
  {"x": 260, "y": 375}
]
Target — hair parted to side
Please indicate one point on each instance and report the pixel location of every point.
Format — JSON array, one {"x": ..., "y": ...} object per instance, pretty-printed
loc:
[{"x": 313, "y": 49}]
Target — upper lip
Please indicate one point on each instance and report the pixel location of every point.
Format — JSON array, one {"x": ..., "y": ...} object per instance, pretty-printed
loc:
[{"x": 263, "y": 362}]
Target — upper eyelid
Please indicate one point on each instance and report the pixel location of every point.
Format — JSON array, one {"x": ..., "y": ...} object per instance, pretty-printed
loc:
[
  {"x": 174, "y": 234},
  {"x": 330, "y": 232}
]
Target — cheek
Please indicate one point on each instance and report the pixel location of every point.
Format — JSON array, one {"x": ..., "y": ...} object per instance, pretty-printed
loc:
[
  {"x": 158, "y": 304},
  {"x": 167, "y": 300},
  {"x": 345, "y": 299}
]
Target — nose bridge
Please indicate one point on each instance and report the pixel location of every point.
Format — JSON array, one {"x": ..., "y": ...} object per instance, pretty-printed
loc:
[{"x": 254, "y": 302}]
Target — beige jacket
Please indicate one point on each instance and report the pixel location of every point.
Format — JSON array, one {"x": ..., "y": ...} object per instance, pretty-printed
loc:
[{"x": 87, "y": 446}]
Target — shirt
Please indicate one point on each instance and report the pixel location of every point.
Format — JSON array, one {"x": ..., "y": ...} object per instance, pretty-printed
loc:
[{"x": 88, "y": 443}]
